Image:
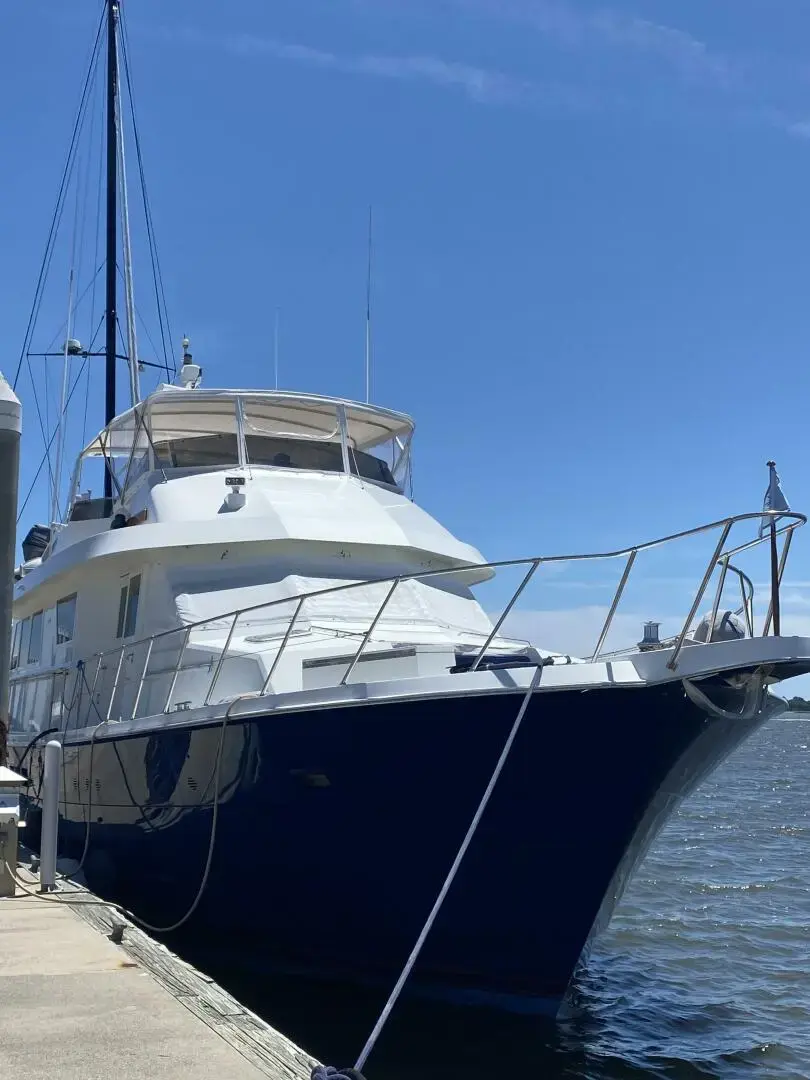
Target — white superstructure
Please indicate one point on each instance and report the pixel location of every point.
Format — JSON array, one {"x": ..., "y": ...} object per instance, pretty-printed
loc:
[{"x": 227, "y": 500}]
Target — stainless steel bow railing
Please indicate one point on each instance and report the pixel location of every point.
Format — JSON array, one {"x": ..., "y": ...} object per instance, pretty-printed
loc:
[{"x": 159, "y": 663}]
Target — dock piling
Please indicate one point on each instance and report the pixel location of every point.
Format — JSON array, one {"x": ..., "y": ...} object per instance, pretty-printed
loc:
[{"x": 10, "y": 430}]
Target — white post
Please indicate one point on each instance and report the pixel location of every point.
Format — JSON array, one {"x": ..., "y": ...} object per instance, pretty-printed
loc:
[
  {"x": 10, "y": 428},
  {"x": 50, "y": 815}
]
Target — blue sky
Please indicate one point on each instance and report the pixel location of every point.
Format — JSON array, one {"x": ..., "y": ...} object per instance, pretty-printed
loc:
[{"x": 591, "y": 235}]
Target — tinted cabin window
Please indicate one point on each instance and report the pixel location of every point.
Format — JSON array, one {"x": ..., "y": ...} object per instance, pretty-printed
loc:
[
  {"x": 193, "y": 433},
  {"x": 128, "y": 607},
  {"x": 294, "y": 453},
  {"x": 25, "y": 637},
  {"x": 65, "y": 619},
  {"x": 15, "y": 645},
  {"x": 197, "y": 451},
  {"x": 91, "y": 509},
  {"x": 122, "y": 610},
  {"x": 132, "y": 605},
  {"x": 35, "y": 639},
  {"x": 315, "y": 456},
  {"x": 370, "y": 467}
]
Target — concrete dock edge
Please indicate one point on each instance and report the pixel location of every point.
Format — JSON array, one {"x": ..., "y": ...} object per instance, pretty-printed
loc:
[{"x": 85, "y": 993}]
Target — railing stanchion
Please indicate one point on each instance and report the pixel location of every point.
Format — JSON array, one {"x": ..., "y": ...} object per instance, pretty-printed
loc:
[
  {"x": 631, "y": 558},
  {"x": 180, "y": 656},
  {"x": 143, "y": 677},
  {"x": 368, "y": 633},
  {"x": 747, "y": 607},
  {"x": 283, "y": 645},
  {"x": 504, "y": 613},
  {"x": 101, "y": 656},
  {"x": 115, "y": 683},
  {"x": 221, "y": 660},
  {"x": 718, "y": 551},
  {"x": 718, "y": 595}
]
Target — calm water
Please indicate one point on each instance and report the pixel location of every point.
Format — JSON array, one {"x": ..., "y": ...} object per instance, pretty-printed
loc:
[{"x": 704, "y": 971}]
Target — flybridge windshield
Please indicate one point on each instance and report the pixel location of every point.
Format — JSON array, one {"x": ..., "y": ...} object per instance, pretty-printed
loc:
[
  {"x": 213, "y": 450},
  {"x": 189, "y": 430}
]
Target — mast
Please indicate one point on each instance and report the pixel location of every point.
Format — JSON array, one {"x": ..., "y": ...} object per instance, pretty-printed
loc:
[
  {"x": 132, "y": 338},
  {"x": 368, "y": 310},
  {"x": 112, "y": 184}
]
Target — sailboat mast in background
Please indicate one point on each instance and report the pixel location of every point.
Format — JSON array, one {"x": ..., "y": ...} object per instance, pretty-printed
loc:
[{"x": 112, "y": 191}]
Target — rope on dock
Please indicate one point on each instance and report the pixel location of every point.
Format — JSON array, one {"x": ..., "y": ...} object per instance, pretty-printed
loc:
[{"x": 54, "y": 898}]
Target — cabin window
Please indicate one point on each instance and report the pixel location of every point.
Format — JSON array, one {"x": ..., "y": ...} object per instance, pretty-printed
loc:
[
  {"x": 128, "y": 607},
  {"x": 15, "y": 644},
  {"x": 285, "y": 435},
  {"x": 89, "y": 478},
  {"x": 132, "y": 605},
  {"x": 293, "y": 453},
  {"x": 196, "y": 437},
  {"x": 22, "y": 644},
  {"x": 139, "y": 462},
  {"x": 33, "y": 705},
  {"x": 35, "y": 639},
  {"x": 370, "y": 467},
  {"x": 122, "y": 610},
  {"x": 65, "y": 619}
]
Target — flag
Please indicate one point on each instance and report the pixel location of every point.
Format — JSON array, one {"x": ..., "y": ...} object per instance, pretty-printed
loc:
[{"x": 774, "y": 499}]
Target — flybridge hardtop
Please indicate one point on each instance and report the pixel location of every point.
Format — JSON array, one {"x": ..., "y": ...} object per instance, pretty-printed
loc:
[
  {"x": 258, "y": 651},
  {"x": 176, "y": 428},
  {"x": 307, "y": 415}
]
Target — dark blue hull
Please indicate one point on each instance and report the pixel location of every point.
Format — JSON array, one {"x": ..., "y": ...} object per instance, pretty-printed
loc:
[{"x": 337, "y": 828}]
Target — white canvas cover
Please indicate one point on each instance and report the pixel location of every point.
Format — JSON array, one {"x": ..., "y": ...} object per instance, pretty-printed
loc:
[{"x": 413, "y": 605}]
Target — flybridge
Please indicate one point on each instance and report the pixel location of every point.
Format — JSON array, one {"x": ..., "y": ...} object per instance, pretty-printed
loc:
[{"x": 173, "y": 429}]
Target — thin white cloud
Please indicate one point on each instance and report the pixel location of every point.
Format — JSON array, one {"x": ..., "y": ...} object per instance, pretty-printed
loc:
[
  {"x": 799, "y": 128},
  {"x": 574, "y": 26},
  {"x": 479, "y": 84},
  {"x": 482, "y": 85},
  {"x": 794, "y": 598},
  {"x": 745, "y": 84}
]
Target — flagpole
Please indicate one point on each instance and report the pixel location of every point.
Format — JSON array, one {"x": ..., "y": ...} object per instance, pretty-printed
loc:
[
  {"x": 774, "y": 569},
  {"x": 774, "y": 581}
]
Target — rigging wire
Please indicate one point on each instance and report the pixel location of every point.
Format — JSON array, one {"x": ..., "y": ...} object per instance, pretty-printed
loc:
[
  {"x": 53, "y": 230},
  {"x": 96, "y": 262},
  {"x": 66, "y": 358},
  {"x": 145, "y": 328},
  {"x": 57, "y": 214},
  {"x": 63, "y": 325},
  {"x": 46, "y": 455},
  {"x": 87, "y": 397},
  {"x": 77, "y": 171},
  {"x": 132, "y": 338},
  {"x": 84, "y": 182},
  {"x": 157, "y": 274},
  {"x": 100, "y": 264}
]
